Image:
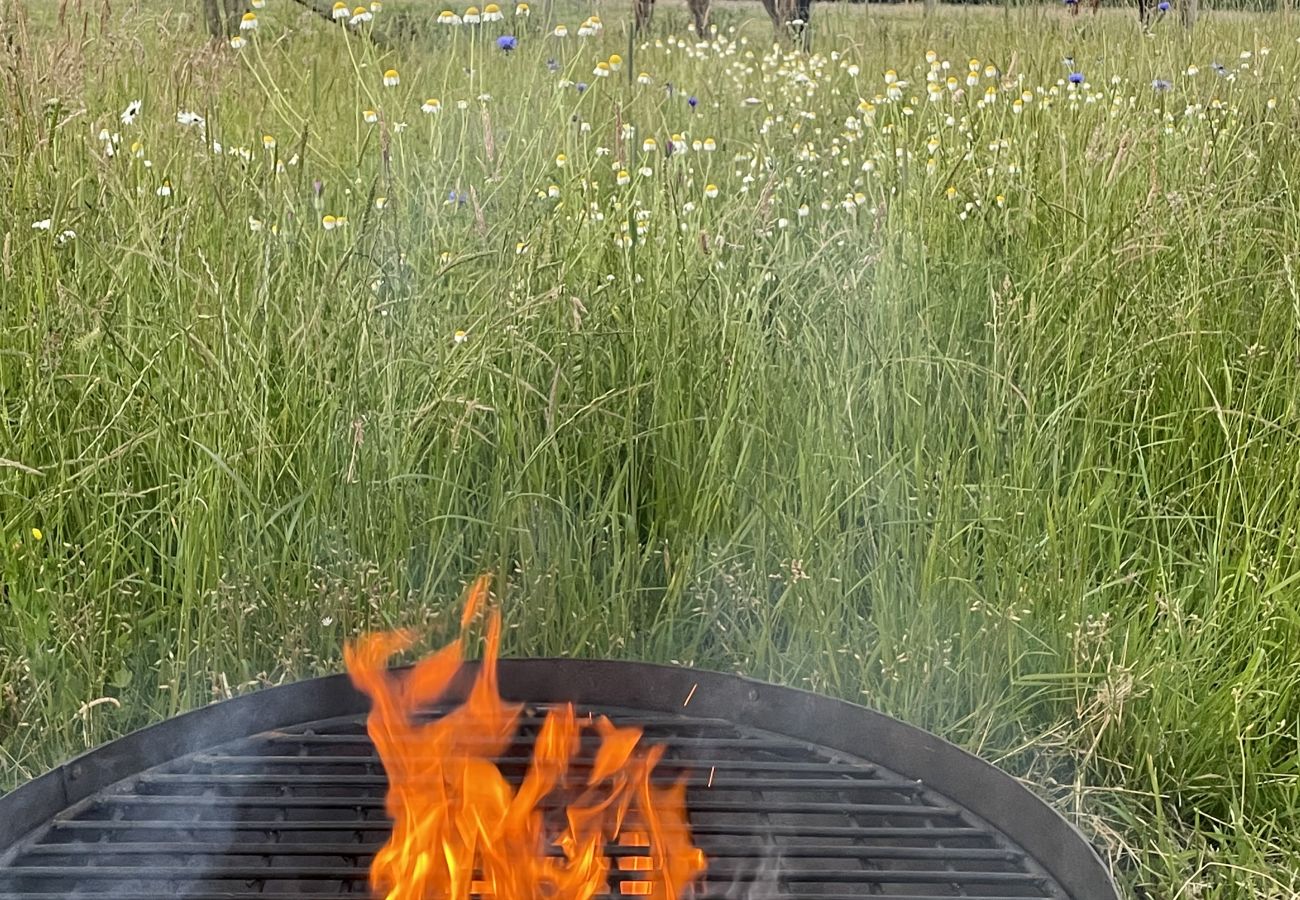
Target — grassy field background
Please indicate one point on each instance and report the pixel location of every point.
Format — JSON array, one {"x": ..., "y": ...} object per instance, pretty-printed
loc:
[{"x": 982, "y": 415}]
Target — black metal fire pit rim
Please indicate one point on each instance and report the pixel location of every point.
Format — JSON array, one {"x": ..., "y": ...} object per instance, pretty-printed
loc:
[{"x": 997, "y": 798}]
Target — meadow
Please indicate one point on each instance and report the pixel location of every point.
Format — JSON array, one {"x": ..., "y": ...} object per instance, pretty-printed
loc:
[{"x": 951, "y": 366}]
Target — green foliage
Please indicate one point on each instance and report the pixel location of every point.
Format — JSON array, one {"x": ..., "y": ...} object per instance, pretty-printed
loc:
[{"x": 984, "y": 417}]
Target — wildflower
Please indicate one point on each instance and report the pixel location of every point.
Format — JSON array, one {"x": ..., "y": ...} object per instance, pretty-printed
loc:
[
  {"x": 37, "y": 535},
  {"x": 645, "y": 171},
  {"x": 460, "y": 337},
  {"x": 644, "y": 79},
  {"x": 520, "y": 248},
  {"x": 41, "y": 225},
  {"x": 710, "y": 145},
  {"x": 165, "y": 189},
  {"x": 492, "y": 13},
  {"x": 376, "y": 6},
  {"x": 238, "y": 43},
  {"x": 447, "y": 17},
  {"x": 854, "y": 71},
  {"x": 257, "y": 4},
  {"x": 430, "y": 106},
  {"x": 339, "y": 11},
  {"x": 189, "y": 118},
  {"x": 521, "y": 9},
  {"x": 129, "y": 114},
  {"x": 1160, "y": 85},
  {"x": 711, "y": 191},
  {"x": 1000, "y": 200},
  {"x": 329, "y": 223},
  {"x": 472, "y": 16},
  {"x": 553, "y": 191},
  {"x": 804, "y": 211},
  {"x": 561, "y": 160},
  {"x": 561, "y": 31},
  {"x": 369, "y": 116},
  {"x": 255, "y": 225},
  {"x": 506, "y": 43},
  {"x": 456, "y": 198},
  {"x": 137, "y": 149},
  {"x": 381, "y": 202},
  {"x": 360, "y": 15},
  {"x": 248, "y": 22},
  {"x": 1163, "y": 6},
  {"x": 692, "y": 102},
  {"x": 931, "y": 57},
  {"x": 580, "y": 87},
  {"x": 950, "y": 193},
  {"x": 1193, "y": 71},
  {"x": 649, "y": 145},
  {"x": 1076, "y": 78},
  {"x": 601, "y": 70},
  {"x": 391, "y": 78},
  {"x": 623, "y": 177}
]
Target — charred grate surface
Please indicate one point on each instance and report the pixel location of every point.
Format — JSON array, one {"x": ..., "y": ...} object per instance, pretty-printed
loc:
[{"x": 299, "y": 812}]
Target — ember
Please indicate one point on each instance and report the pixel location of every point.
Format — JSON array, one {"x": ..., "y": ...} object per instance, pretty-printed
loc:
[{"x": 460, "y": 828}]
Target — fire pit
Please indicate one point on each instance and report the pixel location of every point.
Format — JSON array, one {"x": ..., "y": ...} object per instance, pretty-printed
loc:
[{"x": 789, "y": 794}]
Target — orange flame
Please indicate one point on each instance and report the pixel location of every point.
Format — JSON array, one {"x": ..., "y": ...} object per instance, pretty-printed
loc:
[{"x": 461, "y": 828}]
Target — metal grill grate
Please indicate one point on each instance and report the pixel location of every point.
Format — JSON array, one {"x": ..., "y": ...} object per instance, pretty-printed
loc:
[{"x": 299, "y": 812}]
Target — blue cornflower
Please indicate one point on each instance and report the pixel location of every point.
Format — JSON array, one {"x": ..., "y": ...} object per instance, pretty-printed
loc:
[
  {"x": 1163, "y": 6},
  {"x": 692, "y": 101},
  {"x": 1160, "y": 85},
  {"x": 580, "y": 86},
  {"x": 553, "y": 65},
  {"x": 1218, "y": 68},
  {"x": 456, "y": 198},
  {"x": 1068, "y": 62},
  {"x": 506, "y": 43},
  {"x": 1076, "y": 78}
]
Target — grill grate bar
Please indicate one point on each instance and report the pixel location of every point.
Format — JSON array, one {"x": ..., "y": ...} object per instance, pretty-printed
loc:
[
  {"x": 258, "y": 894},
  {"x": 367, "y": 848},
  {"x": 699, "y": 803},
  {"x": 668, "y": 740},
  {"x": 721, "y": 765},
  {"x": 383, "y": 825},
  {"x": 717, "y": 782},
  {"x": 149, "y": 874}
]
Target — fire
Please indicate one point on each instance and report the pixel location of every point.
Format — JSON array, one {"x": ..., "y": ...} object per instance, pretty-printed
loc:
[{"x": 462, "y": 829}]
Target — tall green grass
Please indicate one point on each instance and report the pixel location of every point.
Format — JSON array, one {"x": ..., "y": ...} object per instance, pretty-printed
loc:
[{"x": 1024, "y": 474}]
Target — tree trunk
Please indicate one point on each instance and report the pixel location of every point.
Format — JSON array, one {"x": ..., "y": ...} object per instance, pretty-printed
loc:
[
  {"x": 212, "y": 16},
  {"x": 222, "y": 17}
]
